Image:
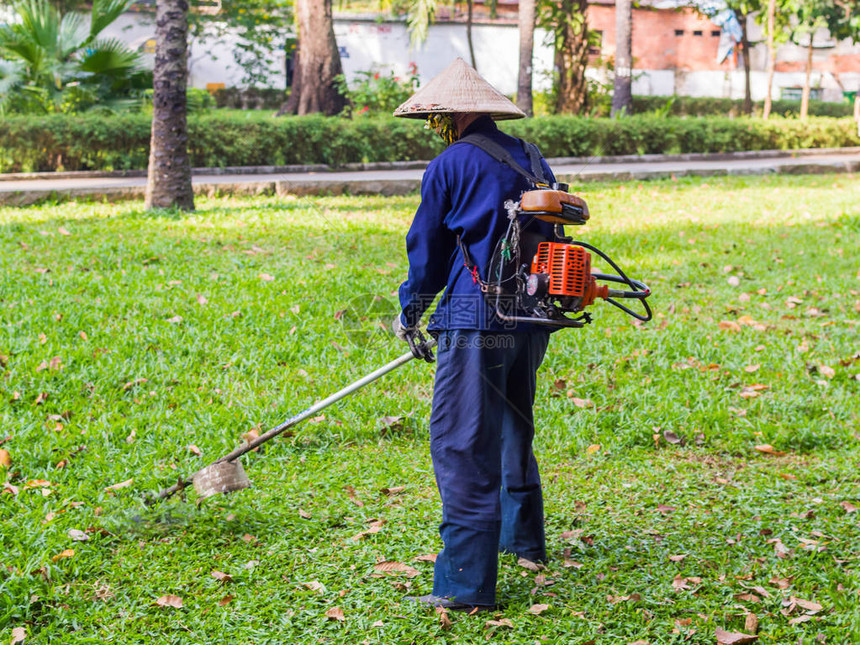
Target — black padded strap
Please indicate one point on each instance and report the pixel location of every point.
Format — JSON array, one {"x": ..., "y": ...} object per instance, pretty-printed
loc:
[
  {"x": 535, "y": 157},
  {"x": 501, "y": 155}
]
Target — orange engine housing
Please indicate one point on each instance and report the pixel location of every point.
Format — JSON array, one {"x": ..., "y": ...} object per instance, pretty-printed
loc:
[{"x": 569, "y": 269}]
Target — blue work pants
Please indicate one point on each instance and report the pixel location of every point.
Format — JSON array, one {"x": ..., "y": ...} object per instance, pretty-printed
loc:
[{"x": 481, "y": 432}]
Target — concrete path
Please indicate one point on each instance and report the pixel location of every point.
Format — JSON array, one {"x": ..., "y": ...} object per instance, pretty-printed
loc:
[{"x": 390, "y": 179}]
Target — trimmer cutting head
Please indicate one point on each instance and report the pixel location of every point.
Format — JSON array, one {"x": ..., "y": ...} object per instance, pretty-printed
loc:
[{"x": 221, "y": 477}]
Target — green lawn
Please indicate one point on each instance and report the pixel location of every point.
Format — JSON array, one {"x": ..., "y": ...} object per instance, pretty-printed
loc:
[{"x": 130, "y": 341}]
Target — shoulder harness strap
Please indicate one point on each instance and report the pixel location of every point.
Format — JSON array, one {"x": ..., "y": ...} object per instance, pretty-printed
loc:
[{"x": 500, "y": 154}]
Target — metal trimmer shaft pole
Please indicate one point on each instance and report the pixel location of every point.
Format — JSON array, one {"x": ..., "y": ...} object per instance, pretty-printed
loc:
[{"x": 289, "y": 423}]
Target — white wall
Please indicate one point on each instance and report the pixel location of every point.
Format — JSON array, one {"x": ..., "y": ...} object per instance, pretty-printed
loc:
[{"x": 366, "y": 44}]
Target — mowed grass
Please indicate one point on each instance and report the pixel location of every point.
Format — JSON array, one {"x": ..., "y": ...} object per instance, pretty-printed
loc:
[{"x": 131, "y": 341}]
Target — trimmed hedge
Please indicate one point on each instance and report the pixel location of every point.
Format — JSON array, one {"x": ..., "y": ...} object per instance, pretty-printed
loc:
[
  {"x": 62, "y": 142},
  {"x": 705, "y": 106}
]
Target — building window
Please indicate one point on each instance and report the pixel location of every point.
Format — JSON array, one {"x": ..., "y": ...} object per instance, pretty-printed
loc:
[
  {"x": 698, "y": 32},
  {"x": 796, "y": 93},
  {"x": 679, "y": 32},
  {"x": 715, "y": 33}
]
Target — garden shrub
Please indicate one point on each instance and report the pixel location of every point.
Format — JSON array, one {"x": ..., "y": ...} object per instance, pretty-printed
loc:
[
  {"x": 707, "y": 106},
  {"x": 95, "y": 142}
]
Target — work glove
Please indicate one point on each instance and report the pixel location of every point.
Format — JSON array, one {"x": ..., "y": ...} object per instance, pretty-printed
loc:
[{"x": 414, "y": 338}]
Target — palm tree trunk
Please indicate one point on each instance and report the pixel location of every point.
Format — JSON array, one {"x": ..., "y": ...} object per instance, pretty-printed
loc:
[
  {"x": 622, "y": 97},
  {"x": 317, "y": 62},
  {"x": 571, "y": 59},
  {"x": 771, "y": 56},
  {"x": 470, "y": 3},
  {"x": 745, "y": 43},
  {"x": 169, "y": 179},
  {"x": 527, "y": 45},
  {"x": 804, "y": 100}
]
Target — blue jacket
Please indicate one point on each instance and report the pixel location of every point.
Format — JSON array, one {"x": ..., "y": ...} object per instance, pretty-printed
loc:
[{"x": 463, "y": 192}]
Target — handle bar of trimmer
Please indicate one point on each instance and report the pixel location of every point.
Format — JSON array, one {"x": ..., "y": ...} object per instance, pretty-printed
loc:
[{"x": 311, "y": 411}]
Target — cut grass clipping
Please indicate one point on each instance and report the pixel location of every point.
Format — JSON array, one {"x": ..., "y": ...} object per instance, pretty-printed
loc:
[{"x": 700, "y": 471}]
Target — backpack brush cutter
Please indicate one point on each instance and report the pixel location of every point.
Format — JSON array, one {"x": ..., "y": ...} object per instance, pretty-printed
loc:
[{"x": 530, "y": 279}]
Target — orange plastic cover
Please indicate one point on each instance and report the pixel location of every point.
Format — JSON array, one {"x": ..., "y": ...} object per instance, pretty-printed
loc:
[
  {"x": 569, "y": 269},
  {"x": 550, "y": 201}
]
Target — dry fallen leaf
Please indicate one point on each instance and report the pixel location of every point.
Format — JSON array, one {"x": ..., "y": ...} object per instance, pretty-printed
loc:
[
  {"x": 268, "y": 278},
  {"x": 5, "y": 458},
  {"x": 826, "y": 371},
  {"x": 63, "y": 231},
  {"x": 729, "y": 325},
  {"x": 221, "y": 577},
  {"x": 304, "y": 514},
  {"x": 125, "y": 484},
  {"x": 18, "y": 635},
  {"x": 392, "y": 490},
  {"x": 663, "y": 509},
  {"x": 593, "y": 448},
  {"x": 175, "y": 320},
  {"x": 77, "y": 535},
  {"x": 677, "y": 558},
  {"x": 751, "y": 623},
  {"x": 444, "y": 620},
  {"x": 733, "y": 638},
  {"x": 799, "y": 619},
  {"x": 768, "y": 449},
  {"x": 226, "y": 600},
  {"x": 503, "y": 622},
  {"x": 390, "y": 566},
  {"x": 427, "y": 557},
  {"x": 538, "y": 609},
  {"x": 580, "y": 403},
  {"x": 848, "y": 506},
  {"x": 528, "y": 564},
  {"x": 335, "y": 613},
  {"x": 201, "y": 299},
  {"x": 169, "y": 600},
  {"x": 808, "y": 605},
  {"x": 752, "y": 368},
  {"x": 68, "y": 553},
  {"x": 194, "y": 449},
  {"x": 314, "y": 585}
]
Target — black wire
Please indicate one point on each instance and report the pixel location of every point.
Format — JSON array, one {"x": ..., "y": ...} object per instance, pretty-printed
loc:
[{"x": 631, "y": 283}]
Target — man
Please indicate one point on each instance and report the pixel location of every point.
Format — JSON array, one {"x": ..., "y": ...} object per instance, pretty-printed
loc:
[{"x": 481, "y": 426}]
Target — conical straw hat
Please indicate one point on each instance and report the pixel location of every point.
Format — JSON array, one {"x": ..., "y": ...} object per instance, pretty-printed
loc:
[{"x": 458, "y": 89}]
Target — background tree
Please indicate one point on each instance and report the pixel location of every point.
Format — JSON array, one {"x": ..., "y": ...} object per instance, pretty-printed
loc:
[
  {"x": 526, "y": 19},
  {"x": 50, "y": 62},
  {"x": 810, "y": 17},
  {"x": 622, "y": 96},
  {"x": 259, "y": 26},
  {"x": 771, "y": 56},
  {"x": 566, "y": 22},
  {"x": 315, "y": 88},
  {"x": 169, "y": 177}
]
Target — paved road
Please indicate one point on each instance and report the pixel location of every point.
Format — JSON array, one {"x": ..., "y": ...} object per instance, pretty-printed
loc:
[{"x": 399, "y": 181}]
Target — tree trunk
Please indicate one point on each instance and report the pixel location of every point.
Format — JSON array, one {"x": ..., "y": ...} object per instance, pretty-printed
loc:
[
  {"x": 771, "y": 56},
  {"x": 804, "y": 100},
  {"x": 622, "y": 97},
  {"x": 527, "y": 45},
  {"x": 571, "y": 59},
  {"x": 469, "y": 34},
  {"x": 317, "y": 62},
  {"x": 169, "y": 179},
  {"x": 745, "y": 43}
]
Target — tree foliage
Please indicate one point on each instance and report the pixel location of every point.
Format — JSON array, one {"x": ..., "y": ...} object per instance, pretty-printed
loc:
[
  {"x": 263, "y": 27},
  {"x": 51, "y": 62}
]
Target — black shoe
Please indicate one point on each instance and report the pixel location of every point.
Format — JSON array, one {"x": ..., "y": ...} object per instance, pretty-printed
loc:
[{"x": 446, "y": 603}]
